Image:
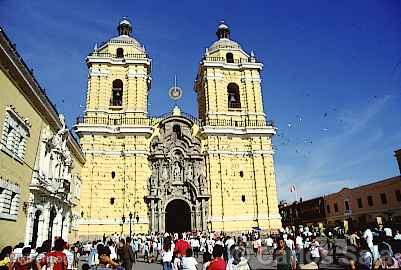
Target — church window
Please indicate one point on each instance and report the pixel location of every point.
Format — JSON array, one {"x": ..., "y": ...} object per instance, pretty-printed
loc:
[
  {"x": 243, "y": 198},
  {"x": 117, "y": 93},
  {"x": 177, "y": 131},
  {"x": 233, "y": 96},
  {"x": 230, "y": 58},
  {"x": 120, "y": 53}
]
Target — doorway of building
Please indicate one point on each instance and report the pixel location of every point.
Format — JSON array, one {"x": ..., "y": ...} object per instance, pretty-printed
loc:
[{"x": 178, "y": 216}]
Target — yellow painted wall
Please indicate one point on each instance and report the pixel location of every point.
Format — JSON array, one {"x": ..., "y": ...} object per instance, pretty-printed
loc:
[{"x": 13, "y": 232}]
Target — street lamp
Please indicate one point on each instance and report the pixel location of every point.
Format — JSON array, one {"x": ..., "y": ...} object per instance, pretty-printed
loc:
[
  {"x": 130, "y": 218},
  {"x": 122, "y": 224}
]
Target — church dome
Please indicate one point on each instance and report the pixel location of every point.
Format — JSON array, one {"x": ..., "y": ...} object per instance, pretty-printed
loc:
[
  {"x": 224, "y": 41},
  {"x": 124, "y": 29}
]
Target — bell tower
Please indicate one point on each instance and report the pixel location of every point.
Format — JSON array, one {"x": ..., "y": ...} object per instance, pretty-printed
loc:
[
  {"x": 237, "y": 137},
  {"x": 119, "y": 76},
  {"x": 228, "y": 82},
  {"x": 114, "y": 133}
]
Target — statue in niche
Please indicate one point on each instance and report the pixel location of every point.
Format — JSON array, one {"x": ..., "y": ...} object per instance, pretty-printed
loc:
[
  {"x": 59, "y": 139},
  {"x": 177, "y": 172},
  {"x": 164, "y": 173},
  {"x": 190, "y": 173},
  {"x": 153, "y": 185}
]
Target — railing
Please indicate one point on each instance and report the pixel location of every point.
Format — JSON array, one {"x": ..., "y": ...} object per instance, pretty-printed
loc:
[
  {"x": 136, "y": 121},
  {"x": 232, "y": 61},
  {"x": 114, "y": 121},
  {"x": 125, "y": 56},
  {"x": 237, "y": 123}
]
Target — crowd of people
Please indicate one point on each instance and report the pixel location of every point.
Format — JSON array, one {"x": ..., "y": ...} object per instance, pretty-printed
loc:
[{"x": 299, "y": 247}]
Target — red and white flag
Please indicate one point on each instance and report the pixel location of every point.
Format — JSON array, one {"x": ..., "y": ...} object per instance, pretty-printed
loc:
[{"x": 292, "y": 188}]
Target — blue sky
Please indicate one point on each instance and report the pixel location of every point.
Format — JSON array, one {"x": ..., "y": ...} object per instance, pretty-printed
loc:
[{"x": 331, "y": 79}]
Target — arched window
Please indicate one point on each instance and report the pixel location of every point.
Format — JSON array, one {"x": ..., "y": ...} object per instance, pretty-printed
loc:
[
  {"x": 233, "y": 96},
  {"x": 117, "y": 93},
  {"x": 230, "y": 58},
  {"x": 177, "y": 131},
  {"x": 120, "y": 53}
]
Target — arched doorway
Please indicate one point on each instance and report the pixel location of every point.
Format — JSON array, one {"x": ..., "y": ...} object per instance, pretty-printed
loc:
[{"x": 178, "y": 216}]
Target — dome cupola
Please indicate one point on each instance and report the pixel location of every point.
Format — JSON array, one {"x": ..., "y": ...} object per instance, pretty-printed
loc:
[{"x": 124, "y": 27}]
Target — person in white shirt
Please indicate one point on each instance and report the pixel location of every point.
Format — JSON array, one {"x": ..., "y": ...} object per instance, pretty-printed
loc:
[
  {"x": 194, "y": 243},
  {"x": 397, "y": 235},
  {"x": 315, "y": 251},
  {"x": 113, "y": 254},
  {"x": 189, "y": 262},
  {"x": 368, "y": 236},
  {"x": 290, "y": 243},
  {"x": 269, "y": 245},
  {"x": 70, "y": 257},
  {"x": 167, "y": 254}
]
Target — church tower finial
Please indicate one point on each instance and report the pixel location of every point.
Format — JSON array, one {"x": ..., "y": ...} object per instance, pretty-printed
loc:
[
  {"x": 223, "y": 31},
  {"x": 124, "y": 27}
]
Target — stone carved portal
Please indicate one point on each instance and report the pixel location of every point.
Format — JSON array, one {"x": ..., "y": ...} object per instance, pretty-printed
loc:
[{"x": 177, "y": 187}]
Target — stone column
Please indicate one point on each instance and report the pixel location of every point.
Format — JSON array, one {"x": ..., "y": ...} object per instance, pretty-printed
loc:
[
  {"x": 163, "y": 218},
  {"x": 29, "y": 224},
  {"x": 198, "y": 216},
  {"x": 40, "y": 229},
  {"x": 159, "y": 216},
  {"x": 204, "y": 221},
  {"x": 43, "y": 230},
  {"x": 152, "y": 213}
]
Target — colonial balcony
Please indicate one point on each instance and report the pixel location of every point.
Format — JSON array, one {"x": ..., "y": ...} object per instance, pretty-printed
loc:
[{"x": 51, "y": 186}]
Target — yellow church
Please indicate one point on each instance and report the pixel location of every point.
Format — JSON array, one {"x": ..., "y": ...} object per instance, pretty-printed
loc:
[{"x": 176, "y": 172}]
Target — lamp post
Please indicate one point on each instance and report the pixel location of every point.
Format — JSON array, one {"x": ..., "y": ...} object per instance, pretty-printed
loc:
[
  {"x": 130, "y": 219},
  {"x": 122, "y": 224}
]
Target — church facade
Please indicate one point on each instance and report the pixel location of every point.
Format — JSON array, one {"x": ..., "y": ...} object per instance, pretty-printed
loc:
[{"x": 175, "y": 172}]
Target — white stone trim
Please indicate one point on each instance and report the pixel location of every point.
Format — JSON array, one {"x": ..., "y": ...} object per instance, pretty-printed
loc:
[
  {"x": 259, "y": 131},
  {"x": 15, "y": 134},
  {"x": 110, "y": 222},
  {"x": 105, "y": 129},
  {"x": 113, "y": 61},
  {"x": 237, "y": 113},
  {"x": 241, "y": 153},
  {"x": 240, "y": 66},
  {"x": 128, "y": 153}
]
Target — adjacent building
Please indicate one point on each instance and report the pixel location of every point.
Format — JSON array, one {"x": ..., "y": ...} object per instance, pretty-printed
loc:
[
  {"x": 353, "y": 208},
  {"x": 371, "y": 204},
  {"x": 216, "y": 170},
  {"x": 40, "y": 161},
  {"x": 310, "y": 212}
]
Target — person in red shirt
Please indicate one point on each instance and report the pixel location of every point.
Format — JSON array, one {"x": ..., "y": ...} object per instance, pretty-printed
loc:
[
  {"x": 56, "y": 259},
  {"x": 181, "y": 246},
  {"x": 218, "y": 262}
]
